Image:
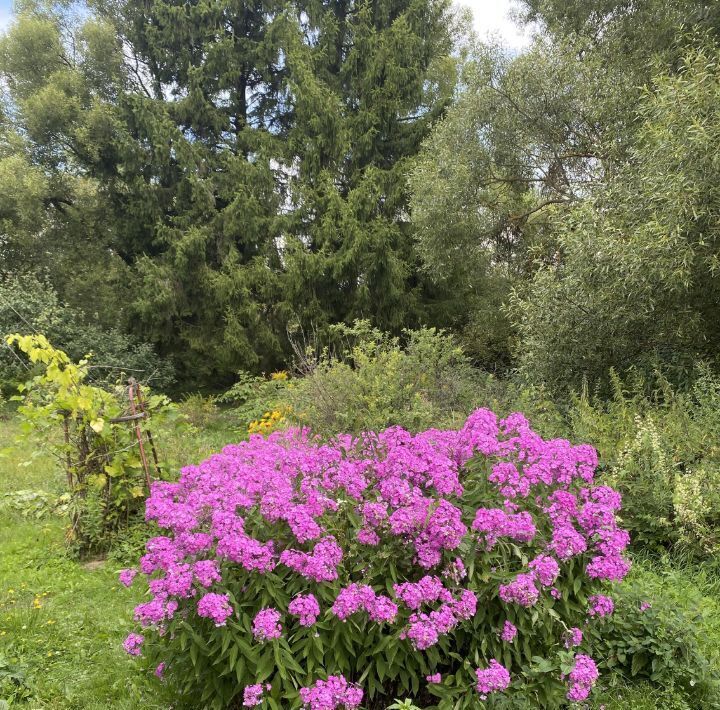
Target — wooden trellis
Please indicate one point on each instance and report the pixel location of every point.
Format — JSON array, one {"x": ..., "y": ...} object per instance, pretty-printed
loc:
[{"x": 138, "y": 412}]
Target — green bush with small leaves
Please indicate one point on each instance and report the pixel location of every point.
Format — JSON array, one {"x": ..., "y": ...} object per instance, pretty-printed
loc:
[
  {"x": 30, "y": 304},
  {"x": 371, "y": 380},
  {"x": 658, "y": 643}
]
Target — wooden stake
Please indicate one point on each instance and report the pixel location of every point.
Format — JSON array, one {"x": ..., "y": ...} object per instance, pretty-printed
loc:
[
  {"x": 138, "y": 432},
  {"x": 141, "y": 405}
]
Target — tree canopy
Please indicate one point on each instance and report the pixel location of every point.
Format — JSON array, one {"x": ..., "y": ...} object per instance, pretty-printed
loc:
[
  {"x": 217, "y": 179},
  {"x": 237, "y": 168}
]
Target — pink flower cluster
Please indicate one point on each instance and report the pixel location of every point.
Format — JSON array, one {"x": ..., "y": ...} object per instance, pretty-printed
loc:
[
  {"x": 133, "y": 643},
  {"x": 253, "y": 694},
  {"x": 306, "y": 607},
  {"x": 282, "y": 503},
  {"x": 126, "y": 576},
  {"x": 509, "y": 632},
  {"x": 424, "y": 630},
  {"x": 493, "y": 679},
  {"x": 335, "y": 692},
  {"x": 522, "y": 590},
  {"x": 360, "y": 597},
  {"x": 426, "y": 591},
  {"x": 216, "y": 607},
  {"x": 573, "y": 637},
  {"x": 495, "y": 523},
  {"x": 600, "y": 605},
  {"x": 582, "y": 678},
  {"x": 266, "y": 624}
]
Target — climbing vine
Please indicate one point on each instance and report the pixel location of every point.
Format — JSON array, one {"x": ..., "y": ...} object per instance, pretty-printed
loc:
[{"x": 101, "y": 437}]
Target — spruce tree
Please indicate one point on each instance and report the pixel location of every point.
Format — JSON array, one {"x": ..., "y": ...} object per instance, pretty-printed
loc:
[
  {"x": 269, "y": 150},
  {"x": 372, "y": 77},
  {"x": 198, "y": 189},
  {"x": 243, "y": 163}
]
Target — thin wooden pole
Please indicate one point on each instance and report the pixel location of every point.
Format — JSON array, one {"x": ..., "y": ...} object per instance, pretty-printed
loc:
[
  {"x": 141, "y": 405},
  {"x": 68, "y": 459},
  {"x": 138, "y": 432}
]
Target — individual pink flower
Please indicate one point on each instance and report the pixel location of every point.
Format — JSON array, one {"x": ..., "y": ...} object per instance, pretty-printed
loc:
[
  {"x": 610, "y": 567},
  {"x": 366, "y": 536},
  {"x": 422, "y": 632},
  {"x": 160, "y": 670},
  {"x": 435, "y": 678}
]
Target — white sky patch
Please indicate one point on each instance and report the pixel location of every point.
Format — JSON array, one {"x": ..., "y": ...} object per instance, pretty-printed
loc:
[{"x": 493, "y": 19}]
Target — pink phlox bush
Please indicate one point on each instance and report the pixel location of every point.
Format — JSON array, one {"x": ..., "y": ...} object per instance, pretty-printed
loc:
[{"x": 325, "y": 521}]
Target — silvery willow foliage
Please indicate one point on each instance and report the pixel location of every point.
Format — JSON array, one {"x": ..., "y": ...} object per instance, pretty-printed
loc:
[{"x": 457, "y": 566}]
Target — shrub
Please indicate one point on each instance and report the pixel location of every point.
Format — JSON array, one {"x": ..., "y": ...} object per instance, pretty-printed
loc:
[
  {"x": 28, "y": 303},
  {"x": 658, "y": 447},
  {"x": 372, "y": 381},
  {"x": 449, "y": 566},
  {"x": 658, "y": 643},
  {"x": 259, "y": 403}
]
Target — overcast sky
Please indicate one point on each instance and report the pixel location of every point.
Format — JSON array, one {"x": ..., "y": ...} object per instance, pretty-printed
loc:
[{"x": 491, "y": 17}]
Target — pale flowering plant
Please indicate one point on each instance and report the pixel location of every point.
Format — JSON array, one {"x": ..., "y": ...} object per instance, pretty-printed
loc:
[{"x": 451, "y": 566}]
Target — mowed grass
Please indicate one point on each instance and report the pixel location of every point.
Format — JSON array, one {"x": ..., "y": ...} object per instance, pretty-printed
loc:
[
  {"x": 62, "y": 621},
  {"x": 62, "y": 627}
]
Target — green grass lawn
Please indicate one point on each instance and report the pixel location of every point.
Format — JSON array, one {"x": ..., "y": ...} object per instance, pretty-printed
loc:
[{"x": 62, "y": 621}]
